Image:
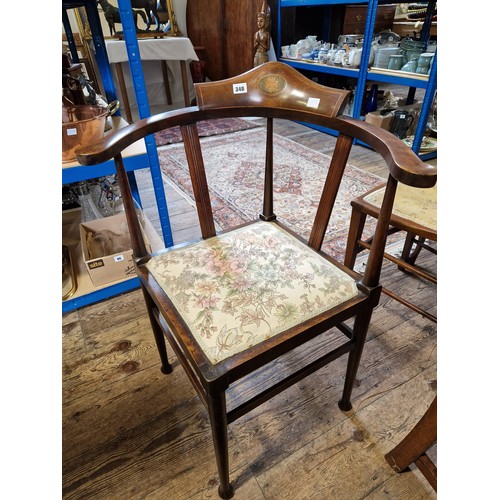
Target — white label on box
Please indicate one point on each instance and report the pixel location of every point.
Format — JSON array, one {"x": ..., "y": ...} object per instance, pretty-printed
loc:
[
  {"x": 312, "y": 102},
  {"x": 118, "y": 258},
  {"x": 239, "y": 88},
  {"x": 71, "y": 131}
]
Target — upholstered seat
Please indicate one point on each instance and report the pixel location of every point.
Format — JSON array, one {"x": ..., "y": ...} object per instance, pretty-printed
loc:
[
  {"x": 238, "y": 289},
  {"x": 414, "y": 204},
  {"x": 414, "y": 212}
]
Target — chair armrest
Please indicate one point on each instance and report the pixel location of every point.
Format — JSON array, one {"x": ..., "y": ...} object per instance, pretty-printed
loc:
[
  {"x": 404, "y": 165},
  {"x": 111, "y": 145}
]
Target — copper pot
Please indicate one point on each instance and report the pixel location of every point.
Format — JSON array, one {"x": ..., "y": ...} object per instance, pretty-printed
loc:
[{"x": 82, "y": 125}]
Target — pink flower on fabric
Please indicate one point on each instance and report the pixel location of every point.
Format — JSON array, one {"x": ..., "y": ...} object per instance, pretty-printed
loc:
[
  {"x": 216, "y": 265},
  {"x": 236, "y": 265},
  {"x": 204, "y": 302},
  {"x": 241, "y": 283},
  {"x": 206, "y": 287}
]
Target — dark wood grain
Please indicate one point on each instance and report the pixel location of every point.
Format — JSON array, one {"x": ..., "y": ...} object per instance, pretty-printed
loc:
[
  {"x": 198, "y": 179},
  {"x": 225, "y": 29}
]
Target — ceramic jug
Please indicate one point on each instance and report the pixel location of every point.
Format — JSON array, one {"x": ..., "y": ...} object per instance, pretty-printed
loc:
[
  {"x": 355, "y": 57},
  {"x": 424, "y": 63},
  {"x": 395, "y": 62},
  {"x": 410, "y": 66},
  {"x": 401, "y": 122}
]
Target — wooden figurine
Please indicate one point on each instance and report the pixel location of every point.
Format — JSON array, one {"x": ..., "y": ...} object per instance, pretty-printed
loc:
[{"x": 262, "y": 38}]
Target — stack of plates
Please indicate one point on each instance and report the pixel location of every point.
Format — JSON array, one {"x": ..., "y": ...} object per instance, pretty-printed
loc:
[
  {"x": 409, "y": 44},
  {"x": 411, "y": 48},
  {"x": 382, "y": 55},
  {"x": 428, "y": 145}
]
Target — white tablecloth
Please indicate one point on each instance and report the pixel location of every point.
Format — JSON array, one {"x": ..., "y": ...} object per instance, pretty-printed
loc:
[{"x": 152, "y": 51}]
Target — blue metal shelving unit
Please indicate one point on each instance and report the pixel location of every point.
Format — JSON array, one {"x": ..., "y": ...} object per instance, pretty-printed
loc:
[
  {"x": 149, "y": 160},
  {"x": 101, "y": 294},
  {"x": 363, "y": 74}
]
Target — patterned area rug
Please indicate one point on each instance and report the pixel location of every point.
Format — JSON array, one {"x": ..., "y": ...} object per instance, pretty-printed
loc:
[
  {"x": 299, "y": 174},
  {"x": 205, "y": 129}
]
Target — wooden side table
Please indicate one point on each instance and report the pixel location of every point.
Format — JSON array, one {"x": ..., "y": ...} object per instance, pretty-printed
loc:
[{"x": 153, "y": 49}]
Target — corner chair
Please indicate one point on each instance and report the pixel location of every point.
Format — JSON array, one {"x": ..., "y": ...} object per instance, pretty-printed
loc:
[{"x": 223, "y": 312}]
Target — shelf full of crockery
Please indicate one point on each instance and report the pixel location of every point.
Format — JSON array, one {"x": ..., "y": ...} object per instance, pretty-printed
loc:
[
  {"x": 396, "y": 77},
  {"x": 364, "y": 71}
]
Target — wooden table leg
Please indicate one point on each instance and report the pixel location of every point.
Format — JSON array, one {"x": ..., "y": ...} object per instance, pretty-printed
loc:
[
  {"x": 185, "y": 87},
  {"x": 164, "y": 70},
  {"x": 123, "y": 91}
]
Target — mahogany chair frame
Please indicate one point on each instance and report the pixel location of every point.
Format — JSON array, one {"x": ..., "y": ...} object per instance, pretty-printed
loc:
[
  {"x": 417, "y": 236},
  {"x": 273, "y": 91}
]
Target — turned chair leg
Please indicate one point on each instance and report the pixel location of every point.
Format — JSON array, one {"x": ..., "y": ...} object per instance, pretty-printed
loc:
[
  {"x": 218, "y": 421},
  {"x": 408, "y": 256},
  {"x": 166, "y": 367},
  {"x": 359, "y": 336},
  {"x": 356, "y": 227}
]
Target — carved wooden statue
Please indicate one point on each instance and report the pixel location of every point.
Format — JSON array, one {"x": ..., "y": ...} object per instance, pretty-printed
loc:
[{"x": 262, "y": 38}]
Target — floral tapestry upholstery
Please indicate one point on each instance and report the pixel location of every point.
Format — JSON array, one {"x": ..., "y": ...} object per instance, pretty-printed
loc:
[
  {"x": 416, "y": 204},
  {"x": 240, "y": 288}
]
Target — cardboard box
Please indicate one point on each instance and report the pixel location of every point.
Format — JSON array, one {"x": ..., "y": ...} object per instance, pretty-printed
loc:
[
  {"x": 382, "y": 121},
  {"x": 98, "y": 237},
  {"x": 375, "y": 118},
  {"x": 412, "y": 108}
]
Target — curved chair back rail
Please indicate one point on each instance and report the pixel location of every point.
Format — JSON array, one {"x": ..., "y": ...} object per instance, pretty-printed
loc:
[
  {"x": 299, "y": 99},
  {"x": 234, "y": 302}
]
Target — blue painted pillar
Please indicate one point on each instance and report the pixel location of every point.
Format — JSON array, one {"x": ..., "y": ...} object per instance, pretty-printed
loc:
[{"x": 141, "y": 96}]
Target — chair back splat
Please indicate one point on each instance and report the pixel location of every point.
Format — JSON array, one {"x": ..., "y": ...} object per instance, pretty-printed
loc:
[{"x": 236, "y": 302}]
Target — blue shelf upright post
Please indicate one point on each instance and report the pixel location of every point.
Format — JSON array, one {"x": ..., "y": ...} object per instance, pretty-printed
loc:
[
  {"x": 69, "y": 36},
  {"x": 136, "y": 72},
  {"x": 426, "y": 106},
  {"x": 100, "y": 51},
  {"x": 365, "y": 59}
]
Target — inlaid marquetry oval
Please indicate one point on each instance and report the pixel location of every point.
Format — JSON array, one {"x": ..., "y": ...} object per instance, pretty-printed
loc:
[{"x": 272, "y": 84}]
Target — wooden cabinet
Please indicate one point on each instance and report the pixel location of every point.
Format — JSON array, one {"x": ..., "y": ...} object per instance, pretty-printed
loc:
[
  {"x": 355, "y": 19},
  {"x": 225, "y": 29}
]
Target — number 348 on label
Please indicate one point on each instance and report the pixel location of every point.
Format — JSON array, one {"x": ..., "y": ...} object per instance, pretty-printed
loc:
[{"x": 239, "y": 88}]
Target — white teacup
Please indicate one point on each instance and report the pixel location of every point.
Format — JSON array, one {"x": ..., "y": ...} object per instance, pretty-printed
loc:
[
  {"x": 293, "y": 51},
  {"x": 354, "y": 57},
  {"x": 339, "y": 56}
]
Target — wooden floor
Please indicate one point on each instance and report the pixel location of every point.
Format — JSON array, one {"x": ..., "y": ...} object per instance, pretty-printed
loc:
[{"x": 130, "y": 432}]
